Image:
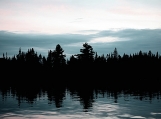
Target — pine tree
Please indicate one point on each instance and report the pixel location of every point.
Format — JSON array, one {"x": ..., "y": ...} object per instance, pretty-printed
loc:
[
  {"x": 87, "y": 54},
  {"x": 56, "y": 57},
  {"x": 115, "y": 53}
]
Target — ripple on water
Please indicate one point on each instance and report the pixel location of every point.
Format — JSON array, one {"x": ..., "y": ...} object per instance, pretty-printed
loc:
[{"x": 103, "y": 107}]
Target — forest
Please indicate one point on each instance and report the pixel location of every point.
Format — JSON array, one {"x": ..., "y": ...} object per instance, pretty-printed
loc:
[{"x": 140, "y": 70}]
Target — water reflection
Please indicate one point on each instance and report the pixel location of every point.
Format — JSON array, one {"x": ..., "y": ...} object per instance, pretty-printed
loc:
[{"x": 68, "y": 103}]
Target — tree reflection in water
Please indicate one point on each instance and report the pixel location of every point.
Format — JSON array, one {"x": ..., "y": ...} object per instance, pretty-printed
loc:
[{"x": 71, "y": 102}]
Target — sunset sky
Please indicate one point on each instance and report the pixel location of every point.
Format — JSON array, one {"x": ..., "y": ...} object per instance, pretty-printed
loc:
[{"x": 81, "y": 17}]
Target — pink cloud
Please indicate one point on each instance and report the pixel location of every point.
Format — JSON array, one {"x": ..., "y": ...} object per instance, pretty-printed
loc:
[
  {"x": 123, "y": 7},
  {"x": 129, "y": 11},
  {"x": 54, "y": 8},
  {"x": 5, "y": 12}
]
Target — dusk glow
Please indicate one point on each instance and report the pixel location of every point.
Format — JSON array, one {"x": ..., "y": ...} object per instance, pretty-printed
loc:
[
  {"x": 68, "y": 16},
  {"x": 105, "y": 24}
]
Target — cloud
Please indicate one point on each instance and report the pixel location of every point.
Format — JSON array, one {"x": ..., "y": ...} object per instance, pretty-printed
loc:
[
  {"x": 135, "y": 34},
  {"x": 11, "y": 42},
  {"x": 143, "y": 39},
  {"x": 106, "y": 40},
  {"x": 103, "y": 42}
]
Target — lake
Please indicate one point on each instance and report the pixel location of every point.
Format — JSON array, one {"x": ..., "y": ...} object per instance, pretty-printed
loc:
[{"x": 66, "y": 103}]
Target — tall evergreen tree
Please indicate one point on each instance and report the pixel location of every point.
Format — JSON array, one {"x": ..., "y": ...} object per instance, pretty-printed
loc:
[
  {"x": 57, "y": 57},
  {"x": 87, "y": 54},
  {"x": 115, "y": 53}
]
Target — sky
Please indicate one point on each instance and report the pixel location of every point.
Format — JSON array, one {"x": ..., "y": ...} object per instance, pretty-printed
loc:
[{"x": 105, "y": 24}]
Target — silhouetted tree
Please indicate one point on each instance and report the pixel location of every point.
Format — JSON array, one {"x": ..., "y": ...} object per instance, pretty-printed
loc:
[
  {"x": 40, "y": 59},
  {"x": 115, "y": 53},
  {"x": 6, "y": 55},
  {"x": 49, "y": 61},
  {"x": 32, "y": 58},
  {"x": 149, "y": 53},
  {"x": 87, "y": 55},
  {"x": 157, "y": 55},
  {"x": 3, "y": 55},
  {"x": 58, "y": 58}
]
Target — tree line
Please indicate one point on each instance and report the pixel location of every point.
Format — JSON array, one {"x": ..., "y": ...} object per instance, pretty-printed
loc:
[{"x": 86, "y": 68}]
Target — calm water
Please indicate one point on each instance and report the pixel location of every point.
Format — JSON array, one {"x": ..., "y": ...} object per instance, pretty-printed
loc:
[{"x": 72, "y": 104}]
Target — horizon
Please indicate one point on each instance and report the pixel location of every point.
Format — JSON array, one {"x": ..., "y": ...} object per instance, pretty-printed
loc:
[{"x": 128, "y": 41}]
